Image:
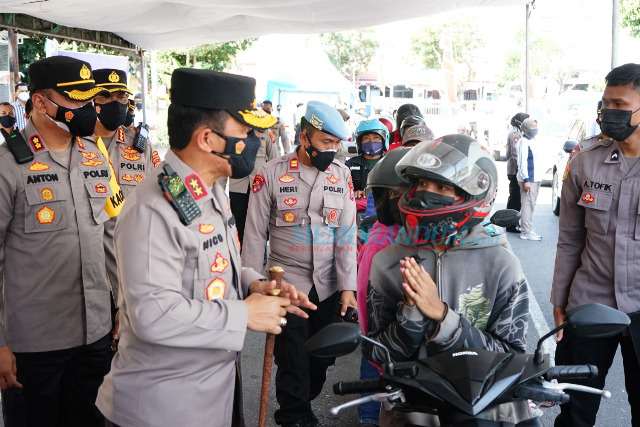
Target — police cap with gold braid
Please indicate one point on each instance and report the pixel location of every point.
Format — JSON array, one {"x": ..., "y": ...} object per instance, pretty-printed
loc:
[
  {"x": 68, "y": 76},
  {"x": 212, "y": 90},
  {"x": 111, "y": 79}
]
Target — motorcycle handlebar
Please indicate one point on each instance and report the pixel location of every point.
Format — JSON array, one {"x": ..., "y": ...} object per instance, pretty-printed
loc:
[
  {"x": 571, "y": 372},
  {"x": 540, "y": 394},
  {"x": 358, "y": 387}
]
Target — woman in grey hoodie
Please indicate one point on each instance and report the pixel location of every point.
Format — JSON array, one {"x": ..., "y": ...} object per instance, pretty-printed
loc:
[{"x": 449, "y": 282}]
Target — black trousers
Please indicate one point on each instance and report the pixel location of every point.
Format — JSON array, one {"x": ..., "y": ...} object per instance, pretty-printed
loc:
[
  {"x": 239, "y": 204},
  {"x": 514, "y": 193},
  {"x": 60, "y": 387},
  {"x": 582, "y": 408},
  {"x": 300, "y": 377}
]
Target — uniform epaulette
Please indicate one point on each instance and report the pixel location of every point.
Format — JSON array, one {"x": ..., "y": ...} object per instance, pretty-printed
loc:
[
  {"x": 596, "y": 142},
  {"x": 175, "y": 192}
]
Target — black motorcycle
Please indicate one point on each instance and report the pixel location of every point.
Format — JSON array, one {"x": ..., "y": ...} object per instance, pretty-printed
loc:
[{"x": 459, "y": 387}]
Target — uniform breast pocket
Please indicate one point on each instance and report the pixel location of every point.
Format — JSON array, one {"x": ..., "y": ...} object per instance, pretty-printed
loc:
[
  {"x": 98, "y": 192},
  {"x": 45, "y": 210},
  {"x": 596, "y": 212},
  {"x": 289, "y": 212},
  {"x": 332, "y": 210},
  {"x": 214, "y": 273}
]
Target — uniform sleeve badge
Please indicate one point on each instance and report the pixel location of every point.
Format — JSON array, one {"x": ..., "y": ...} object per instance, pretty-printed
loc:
[
  {"x": 258, "y": 183},
  {"x": 155, "y": 159},
  {"x": 38, "y": 167},
  {"x": 195, "y": 186},
  {"x": 588, "y": 198},
  {"x": 215, "y": 289},
  {"x": 290, "y": 201},
  {"x": 220, "y": 264},
  {"x": 46, "y": 215},
  {"x": 46, "y": 194},
  {"x": 286, "y": 179},
  {"x": 206, "y": 228},
  {"x": 289, "y": 217}
]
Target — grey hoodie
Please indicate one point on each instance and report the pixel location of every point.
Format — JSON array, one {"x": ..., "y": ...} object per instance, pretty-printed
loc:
[{"x": 482, "y": 282}]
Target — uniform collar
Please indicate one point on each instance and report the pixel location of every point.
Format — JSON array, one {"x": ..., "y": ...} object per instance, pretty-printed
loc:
[
  {"x": 614, "y": 154},
  {"x": 192, "y": 181}
]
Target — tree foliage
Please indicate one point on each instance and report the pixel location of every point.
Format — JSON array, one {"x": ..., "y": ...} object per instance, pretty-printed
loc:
[
  {"x": 350, "y": 51},
  {"x": 630, "y": 12},
  {"x": 462, "y": 38},
  {"x": 30, "y": 50}
]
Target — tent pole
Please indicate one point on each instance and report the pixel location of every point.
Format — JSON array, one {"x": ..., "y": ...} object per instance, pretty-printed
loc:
[
  {"x": 143, "y": 74},
  {"x": 615, "y": 14},
  {"x": 526, "y": 57},
  {"x": 14, "y": 61}
]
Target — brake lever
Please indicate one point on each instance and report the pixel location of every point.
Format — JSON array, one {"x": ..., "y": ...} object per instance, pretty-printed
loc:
[
  {"x": 393, "y": 397},
  {"x": 576, "y": 387}
]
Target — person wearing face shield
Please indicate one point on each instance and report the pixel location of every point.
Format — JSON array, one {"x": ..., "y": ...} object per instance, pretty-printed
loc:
[
  {"x": 598, "y": 244},
  {"x": 56, "y": 194},
  {"x": 186, "y": 300},
  {"x": 422, "y": 298},
  {"x": 530, "y": 166},
  {"x": 304, "y": 204},
  {"x": 387, "y": 188},
  {"x": 19, "y": 105}
]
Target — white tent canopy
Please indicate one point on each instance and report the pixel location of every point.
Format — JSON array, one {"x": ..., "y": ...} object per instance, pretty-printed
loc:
[{"x": 161, "y": 24}]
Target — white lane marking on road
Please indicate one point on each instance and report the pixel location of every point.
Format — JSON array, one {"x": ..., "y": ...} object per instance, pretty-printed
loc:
[{"x": 549, "y": 345}]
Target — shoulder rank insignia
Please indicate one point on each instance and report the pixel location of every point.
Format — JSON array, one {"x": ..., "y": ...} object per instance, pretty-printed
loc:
[
  {"x": 195, "y": 186},
  {"x": 293, "y": 164},
  {"x": 121, "y": 135},
  {"x": 36, "y": 143}
]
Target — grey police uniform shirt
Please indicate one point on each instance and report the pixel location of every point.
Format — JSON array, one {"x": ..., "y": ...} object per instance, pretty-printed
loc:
[
  {"x": 131, "y": 168},
  {"x": 278, "y": 134},
  {"x": 267, "y": 152},
  {"x": 512, "y": 152},
  {"x": 309, "y": 218},
  {"x": 599, "y": 237},
  {"x": 56, "y": 293},
  {"x": 182, "y": 318}
]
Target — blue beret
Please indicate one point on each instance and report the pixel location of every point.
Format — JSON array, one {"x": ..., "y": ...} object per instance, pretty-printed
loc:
[{"x": 326, "y": 119}]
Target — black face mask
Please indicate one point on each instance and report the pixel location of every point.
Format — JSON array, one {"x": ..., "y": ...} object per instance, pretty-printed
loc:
[
  {"x": 113, "y": 114},
  {"x": 388, "y": 212},
  {"x": 80, "y": 121},
  {"x": 7, "y": 121},
  {"x": 241, "y": 153},
  {"x": 426, "y": 201},
  {"x": 320, "y": 159},
  {"x": 616, "y": 124}
]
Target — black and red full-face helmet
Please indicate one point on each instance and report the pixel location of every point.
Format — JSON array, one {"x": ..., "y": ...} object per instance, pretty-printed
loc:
[{"x": 455, "y": 160}]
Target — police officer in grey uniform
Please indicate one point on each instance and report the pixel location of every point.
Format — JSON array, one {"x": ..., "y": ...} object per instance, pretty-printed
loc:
[
  {"x": 56, "y": 330},
  {"x": 131, "y": 162},
  {"x": 304, "y": 203},
  {"x": 186, "y": 301},
  {"x": 278, "y": 132},
  {"x": 599, "y": 243},
  {"x": 239, "y": 188}
]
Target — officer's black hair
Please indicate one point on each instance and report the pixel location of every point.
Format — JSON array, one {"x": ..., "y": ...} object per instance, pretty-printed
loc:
[
  {"x": 182, "y": 121},
  {"x": 624, "y": 75},
  {"x": 266, "y": 101},
  {"x": 20, "y": 84},
  {"x": 7, "y": 104}
]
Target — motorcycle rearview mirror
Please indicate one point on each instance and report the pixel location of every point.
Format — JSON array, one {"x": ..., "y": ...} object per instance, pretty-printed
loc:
[
  {"x": 590, "y": 321},
  {"x": 506, "y": 218},
  {"x": 597, "y": 321},
  {"x": 336, "y": 339}
]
